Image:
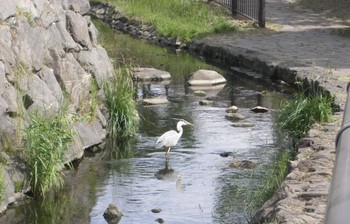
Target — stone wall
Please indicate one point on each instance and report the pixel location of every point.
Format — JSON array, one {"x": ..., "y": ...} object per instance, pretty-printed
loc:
[{"x": 49, "y": 58}]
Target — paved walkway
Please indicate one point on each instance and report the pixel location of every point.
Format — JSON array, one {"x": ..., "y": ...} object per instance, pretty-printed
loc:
[{"x": 305, "y": 40}]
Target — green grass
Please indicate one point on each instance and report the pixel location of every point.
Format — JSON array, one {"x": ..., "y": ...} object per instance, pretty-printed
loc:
[
  {"x": 272, "y": 180},
  {"x": 178, "y": 18},
  {"x": 298, "y": 115},
  {"x": 45, "y": 142},
  {"x": 119, "y": 92}
]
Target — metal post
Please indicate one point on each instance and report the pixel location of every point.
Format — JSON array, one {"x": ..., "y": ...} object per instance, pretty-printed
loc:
[
  {"x": 234, "y": 7},
  {"x": 338, "y": 204},
  {"x": 261, "y": 19}
]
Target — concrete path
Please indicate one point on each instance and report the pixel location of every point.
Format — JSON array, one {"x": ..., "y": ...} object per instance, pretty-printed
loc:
[{"x": 305, "y": 40}]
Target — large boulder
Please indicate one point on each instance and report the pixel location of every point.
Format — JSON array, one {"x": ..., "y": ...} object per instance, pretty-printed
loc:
[
  {"x": 76, "y": 81},
  {"x": 41, "y": 97},
  {"x": 206, "y": 78},
  {"x": 29, "y": 45},
  {"x": 97, "y": 63},
  {"x": 78, "y": 27},
  {"x": 7, "y": 9}
]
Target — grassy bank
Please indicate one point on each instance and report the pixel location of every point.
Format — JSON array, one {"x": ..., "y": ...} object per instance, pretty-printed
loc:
[{"x": 174, "y": 18}]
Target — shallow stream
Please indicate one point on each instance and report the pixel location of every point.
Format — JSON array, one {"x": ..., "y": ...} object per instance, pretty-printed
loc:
[{"x": 197, "y": 185}]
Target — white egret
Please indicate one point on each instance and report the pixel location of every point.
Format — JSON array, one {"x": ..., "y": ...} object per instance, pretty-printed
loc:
[{"x": 170, "y": 138}]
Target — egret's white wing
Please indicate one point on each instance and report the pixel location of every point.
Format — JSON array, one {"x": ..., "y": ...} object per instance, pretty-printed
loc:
[{"x": 168, "y": 139}]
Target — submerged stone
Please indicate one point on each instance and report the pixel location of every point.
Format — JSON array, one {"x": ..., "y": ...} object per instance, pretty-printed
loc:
[
  {"x": 234, "y": 116},
  {"x": 199, "y": 93},
  {"x": 150, "y": 74},
  {"x": 243, "y": 125},
  {"x": 156, "y": 210},
  {"x": 112, "y": 214},
  {"x": 259, "y": 109},
  {"x": 232, "y": 109},
  {"x": 155, "y": 101},
  {"x": 246, "y": 164},
  {"x": 205, "y": 102}
]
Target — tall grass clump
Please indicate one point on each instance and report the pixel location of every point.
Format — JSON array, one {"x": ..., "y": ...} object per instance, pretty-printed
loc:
[
  {"x": 119, "y": 92},
  {"x": 177, "y": 18},
  {"x": 306, "y": 108},
  {"x": 45, "y": 142}
]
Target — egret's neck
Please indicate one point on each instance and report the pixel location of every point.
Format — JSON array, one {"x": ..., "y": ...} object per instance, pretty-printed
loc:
[{"x": 179, "y": 129}]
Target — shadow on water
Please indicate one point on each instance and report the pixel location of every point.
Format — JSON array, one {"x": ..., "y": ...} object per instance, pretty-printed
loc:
[{"x": 196, "y": 185}]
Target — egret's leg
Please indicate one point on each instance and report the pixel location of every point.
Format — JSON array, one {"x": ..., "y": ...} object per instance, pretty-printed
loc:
[{"x": 167, "y": 153}]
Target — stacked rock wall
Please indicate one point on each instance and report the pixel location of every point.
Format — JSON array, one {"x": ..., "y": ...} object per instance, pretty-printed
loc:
[{"x": 49, "y": 59}]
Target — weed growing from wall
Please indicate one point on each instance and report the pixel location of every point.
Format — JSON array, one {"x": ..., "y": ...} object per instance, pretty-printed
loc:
[
  {"x": 121, "y": 107},
  {"x": 45, "y": 142}
]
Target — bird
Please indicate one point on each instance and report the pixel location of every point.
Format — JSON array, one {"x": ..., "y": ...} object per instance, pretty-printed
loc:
[{"x": 170, "y": 138}]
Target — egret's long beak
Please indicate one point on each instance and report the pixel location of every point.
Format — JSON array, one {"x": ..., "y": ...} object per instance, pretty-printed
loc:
[{"x": 190, "y": 124}]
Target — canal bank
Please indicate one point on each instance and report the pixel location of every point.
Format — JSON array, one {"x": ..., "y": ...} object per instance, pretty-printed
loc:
[{"x": 305, "y": 47}]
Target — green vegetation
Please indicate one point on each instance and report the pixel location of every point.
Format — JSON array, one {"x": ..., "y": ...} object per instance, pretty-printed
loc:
[
  {"x": 45, "y": 143},
  {"x": 1, "y": 182},
  {"x": 122, "y": 116},
  {"x": 344, "y": 32},
  {"x": 308, "y": 107},
  {"x": 175, "y": 18},
  {"x": 28, "y": 15},
  {"x": 271, "y": 181}
]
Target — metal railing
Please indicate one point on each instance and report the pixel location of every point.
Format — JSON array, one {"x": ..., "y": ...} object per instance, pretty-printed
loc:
[
  {"x": 252, "y": 9},
  {"x": 338, "y": 204}
]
